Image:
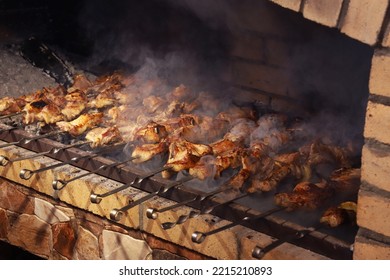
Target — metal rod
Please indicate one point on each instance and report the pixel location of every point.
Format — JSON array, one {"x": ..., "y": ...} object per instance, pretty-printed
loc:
[
  {"x": 199, "y": 237},
  {"x": 116, "y": 214},
  {"x": 26, "y": 140},
  {"x": 27, "y": 173},
  {"x": 12, "y": 115},
  {"x": 5, "y": 160},
  {"x": 152, "y": 213},
  {"x": 97, "y": 198},
  {"x": 259, "y": 252},
  {"x": 194, "y": 213},
  {"x": 60, "y": 184}
]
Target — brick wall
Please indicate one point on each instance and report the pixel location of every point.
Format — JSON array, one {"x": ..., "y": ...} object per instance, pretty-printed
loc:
[{"x": 366, "y": 21}]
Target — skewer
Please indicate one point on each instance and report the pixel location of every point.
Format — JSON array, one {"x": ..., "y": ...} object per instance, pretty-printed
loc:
[
  {"x": 60, "y": 184},
  {"x": 259, "y": 252},
  {"x": 12, "y": 115},
  {"x": 116, "y": 214},
  {"x": 199, "y": 237},
  {"x": 26, "y": 140},
  {"x": 152, "y": 213},
  {"x": 27, "y": 173},
  {"x": 97, "y": 198},
  {"x": 5, "y": 160},
  {"x": 194, "y": 213}
]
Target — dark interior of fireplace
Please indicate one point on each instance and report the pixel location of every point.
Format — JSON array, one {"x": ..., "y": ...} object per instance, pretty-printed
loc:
[{"x": 192, "y": 42}]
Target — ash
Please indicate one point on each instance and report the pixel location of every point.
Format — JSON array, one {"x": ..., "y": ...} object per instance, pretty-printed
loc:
[{"x": 19, "y": 77}]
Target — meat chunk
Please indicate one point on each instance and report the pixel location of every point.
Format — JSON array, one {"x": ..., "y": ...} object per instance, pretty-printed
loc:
[
  {"x": 101, "y": 136},
  {"x": 81, "y": 124},
  {"x": 336, "y": 216},
  {"x": 305, "y": 195},
  {"x": 146, "y": 152}
]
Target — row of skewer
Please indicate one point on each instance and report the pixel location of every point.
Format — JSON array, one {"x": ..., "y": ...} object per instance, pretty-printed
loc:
[{"x": 205, "y": 146}]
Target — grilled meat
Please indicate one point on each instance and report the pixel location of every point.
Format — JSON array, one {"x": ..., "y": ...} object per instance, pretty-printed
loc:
[
  {"x": 153, "y": 103},
  {"x": 80, "y": 83},
  {"x": 204, "y": 168},
  {"x": 151, "y": 133},
  {"x": 146, "y": 152},
  {"x": 318, "y": 153},
  {"x": 305, "y": 195},
  {"x": 101, "y": 136},
  {"x": 183, "y": 155},
  {"x": 81, "y": 124},
  {"x": 9, "y": 105},
  {"x": 335, "y": 216},
  {"x": 346, "y": 180}
]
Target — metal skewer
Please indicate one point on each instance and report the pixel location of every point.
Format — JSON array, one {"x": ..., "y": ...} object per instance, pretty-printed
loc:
[
  {"x": 5, "y": 160},
  {"x": 27, "y": 173},
  {"x": 60, "y": 184},
  {"x": 97, "y": 198},
  {"x": 12, "y": 115},
  {"x": 152, "y": 213},
  {"x": 193, "y": 213},
  {"x": 259, "y": 252},
  {"x": 26, "y": 140},
  {"x": 199, "y": 237},
  {"x": 116, "y": 214}
]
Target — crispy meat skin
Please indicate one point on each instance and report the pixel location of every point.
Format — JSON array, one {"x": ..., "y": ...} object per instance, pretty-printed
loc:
[
  {"x": 151, "y": 133},
  {"x": 81, "y": 124},
  {"x": 305, "y": 195},
  {"x": 334, "y": 216},
  {"x": 183, "y": 155},
  {"x": 146, "y": 152},
  {"x": 101, "y": 136},
  {"x": 9, "y": 105}
]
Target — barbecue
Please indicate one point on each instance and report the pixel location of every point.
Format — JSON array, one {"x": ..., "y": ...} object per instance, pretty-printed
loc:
[
  {"x": 252, "y": 157},
  {"x": 244, "y": 132}
]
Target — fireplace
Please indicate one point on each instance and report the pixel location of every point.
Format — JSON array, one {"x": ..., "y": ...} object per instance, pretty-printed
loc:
[{"x": 326, "y": 60}]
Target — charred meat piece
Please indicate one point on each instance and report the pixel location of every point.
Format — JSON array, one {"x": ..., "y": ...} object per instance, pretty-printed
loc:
[
  {"x": 81, "y": 124},
  {"x": 42, "y": 111},
  {"x": 346, "y": 180},
  {"x": 101, "y": 136},
  {"x": 151, "y": 133},
  {"x": 9, "y": 105},
  {"x": 318, "y": 153},
  {"x": 104, "y": 99},
  {"x": 305, "y": 195},
  {"x": 204, "y": 168},
  {"x": 146, "y": 152},
  {"x": 335, "y": 216},
  {"x": 80, "y": 83},
  {"x": 75, "y": 104},
  {"x": 184, "y": 155}
]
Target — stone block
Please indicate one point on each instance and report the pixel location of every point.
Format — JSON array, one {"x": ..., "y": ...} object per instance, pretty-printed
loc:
[
  {"x": 48, "y": 212},
  {"x": 368, "y": 249},
  {"x": 64, "y": 239},
  {"x": 380, "y": 74},
  {"x": 376, "y": 167},
  {"x": 325, "y": 12},
  {"x": 278, "y": 52},
  {"x": 363, "y": 20},
  {"x": 373, "y": 212},
  {"x": 87, "y": 245},
  {"x": 14, "y": 200},
  {"x": 32, "y": 234},
  {"x": 3, "y": 224},
  {"x": 262, "y": 77},
  {"x": 289, "y": 4},
  {"x": 377, "y": 122},
  {"x": 117, "y": 246}
]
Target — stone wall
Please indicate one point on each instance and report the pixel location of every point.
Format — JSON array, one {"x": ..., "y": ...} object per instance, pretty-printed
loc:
[{"x": 54, "y": 230}]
